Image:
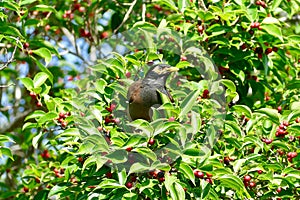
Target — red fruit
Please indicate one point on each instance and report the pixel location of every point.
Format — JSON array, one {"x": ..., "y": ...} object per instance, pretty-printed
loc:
[
  {"x": 292, "y": 154},
  {"x": 183, "y": 58},
  {"x": 111, "y": 107},
  {"x": 32, "y": 95},
  {"x": 25, "y": 189},
  {"x": 285, "y": 123},
  {"x": 64, "y": 124},
  {"x": 209, "y": 175},
  {"x": 62, "y": 115},
  {"x": 108, "y": 175},
  {"x": 297, "y": 120},
  {"x": 200, "y": 29},
  {"x": 263, "y": 4},
  {"x": 259, "y": 171},
  {"x": 290, "y": 159},
  {"x": 209, "y": 180},
  {"x": 77, "y": 6},
  {"x": 116, "y": 120},
  {"x": 129, "y": 185},
  {"x": 37, "y": 180},
  {"x": 244, "y": 46},
  {"x": 198, "y": 174},
  {"x": 278, "y": 190},
  {"x": 279, "y": 109},
  {"x": 247, "y": 178},
  {"x": 275, "y": 49},
  {"x": 268, "y": 51},
  {"x": 39, "y": 104},
  {"x": 128, "y": 74},
  {"x": 47, "y": 27},
  {"x": 104, "y": 35},
  {"x": 80, "y": 159},
  {"x": 258, "y": 3},
  {"x": 171, "y": 119},
  {"x": 157, "y": 7},
  {"x": 226, "y": 160},
  {"x": 148, "y": 15},
  {"x": 151, "y": 141},
  {"x": 259, "y": 56},
  {"x": 26, "y": 45},
  {"x": 252, "y": 184},
  {"x": 205, "y": 94},
  {"x": 128, "y": 149},
  {"x": 81, "y": 9}
]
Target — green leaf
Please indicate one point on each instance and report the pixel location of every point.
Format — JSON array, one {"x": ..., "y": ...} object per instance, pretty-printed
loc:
[
  {"x": 242, "y": 109},
  {"x": 110, "y": 183},
  {"x": 273, "y": 29},
  {"x": 44, "y": 8},
  {"x": 138, "y": 168},
  {"x": 27, "y": 82},
  {"x": 56, "y": 189},
  {"x": 36, "y": 139},
  {"x": 45, "y": 70},
  {"x": 10, "y": 5},
  {"x": 275, "y": 4},
  {"x": 229, "y": 85},
  {"x": 187, "y": 171},
  {"x": 188, "y": 103},
  {"x": 146, "y": 152},
  {"x": 233, "y": 182},
  {"x": 170, "y": 4},
  {"x": 39, "y": 79},
  {"x": 35, "y": 115},
  {"x": 25, "y": 2},
  {"x": 142, "y": 125},
  {"x": 44, "y": 53},
  {"x": 118, "y": 156},
  {"x": 48, "y": 117},
  {"x": 271, "y": 113},
  {"x": 70, "y": 132},
  {"x": 5, "y": 138},
  {"x": 6, "y": 152}
]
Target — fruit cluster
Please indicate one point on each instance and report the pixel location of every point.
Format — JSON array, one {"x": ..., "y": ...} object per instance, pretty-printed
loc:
[
  {"x": 61, "y": 119},
  {"x": 199, "y": 174},
  {"x": 266, "y": 140},
  {"x": 261, "y": 3},
  {"x": 255, "y": 25},
  {"x": 282, "y": 129},
  {"x": 247, "y": 182},
  {"x": 45, "y": 154},
  {"x": 34, "y": 97},
  {"x": 291, "y": 155},
  {"x": 158, "y": 174}
]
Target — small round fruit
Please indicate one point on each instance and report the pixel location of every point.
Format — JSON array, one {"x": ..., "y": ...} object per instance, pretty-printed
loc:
[
  {"x": 129, "y": 185},
  {"x": 278, "y": 190},
  {"x": 247, "y": 178},
  {"x": 259, "y": 171},
  {"x": 151, "y": 141},
  {"x": 39, "y": 104},
  {"x": 279, "y": 109},
  {"x": 252, "y": 184},
  {"x": 26, "y": 45},
  {"x": 198, "y": 174},
  {"x": 183, "y": 58},
  {"x": 128, "y": 149}
]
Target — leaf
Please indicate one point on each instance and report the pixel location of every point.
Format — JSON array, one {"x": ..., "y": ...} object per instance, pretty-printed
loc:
[
  {"x": 6, "y": 152},
  {"x": 143, "y": 125},
  {"x": 35, "y": 115},
  {"x": 275, "y": 4},
  {"x": 44, "y": 53},
  {"x": 36, "y": 139},
  {"x": 118, "y": 156},
  {"x": 273, "y": 29},
  {"x": 47, "y": 117},
  {"x": 70, "y": 132},
  {"x": 27, "y": 82},
  {"x": 242, "y": 109},
  {"x": 234, "y": 126},
  {"x": 39, "y": 79},
  {"x": 138, "y": 168},
  {"x": 44, "y": 69},
  {"x": 146, "y": 152},
  {"x": 233, "y": 182},
  {"x": 271, "y": 113},
  {"x": 187, "y": 171},
  {"x": 56, "y": 189},
  {"x": 188, "y": 102},
  {"x": 44, "y": 8},
  {"x": 170, "y": 4},
  {"x": 25, "y": 2},
  {"x": 229, "y": 85}
]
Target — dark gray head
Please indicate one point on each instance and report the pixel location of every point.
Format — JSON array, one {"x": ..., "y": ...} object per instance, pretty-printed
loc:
[{"x": 159, "y": 73}]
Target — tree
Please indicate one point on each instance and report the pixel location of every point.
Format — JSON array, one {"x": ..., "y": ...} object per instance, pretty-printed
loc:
[{"x": 232, "y": 132}]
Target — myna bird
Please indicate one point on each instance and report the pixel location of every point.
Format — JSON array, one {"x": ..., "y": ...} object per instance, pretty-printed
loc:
[{"x": 144, "y": 93}]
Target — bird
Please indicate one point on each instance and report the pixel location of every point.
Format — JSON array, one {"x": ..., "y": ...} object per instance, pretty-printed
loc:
[{"x": 144, "y": 93}]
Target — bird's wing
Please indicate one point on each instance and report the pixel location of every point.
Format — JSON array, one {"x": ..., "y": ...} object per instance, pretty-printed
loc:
[{"x": 133, "y": 94}]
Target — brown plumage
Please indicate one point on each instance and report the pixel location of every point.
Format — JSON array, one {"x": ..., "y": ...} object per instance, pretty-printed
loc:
[{"x": 143, "y": 93}]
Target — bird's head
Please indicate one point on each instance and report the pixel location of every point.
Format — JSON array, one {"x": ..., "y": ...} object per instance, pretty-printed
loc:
[{"x": 160, "y": 72}]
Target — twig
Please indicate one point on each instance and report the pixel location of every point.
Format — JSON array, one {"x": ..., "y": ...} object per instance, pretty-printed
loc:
[
  {"x": 202, "y": 5},
  {"x": 11, "y": 59},
  {"x": 126, "y": 17},
  {"x": 5, "y": 86}
]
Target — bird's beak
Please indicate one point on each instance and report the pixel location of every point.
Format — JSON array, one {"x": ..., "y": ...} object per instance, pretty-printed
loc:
[{"x": 172, "y": 69}]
